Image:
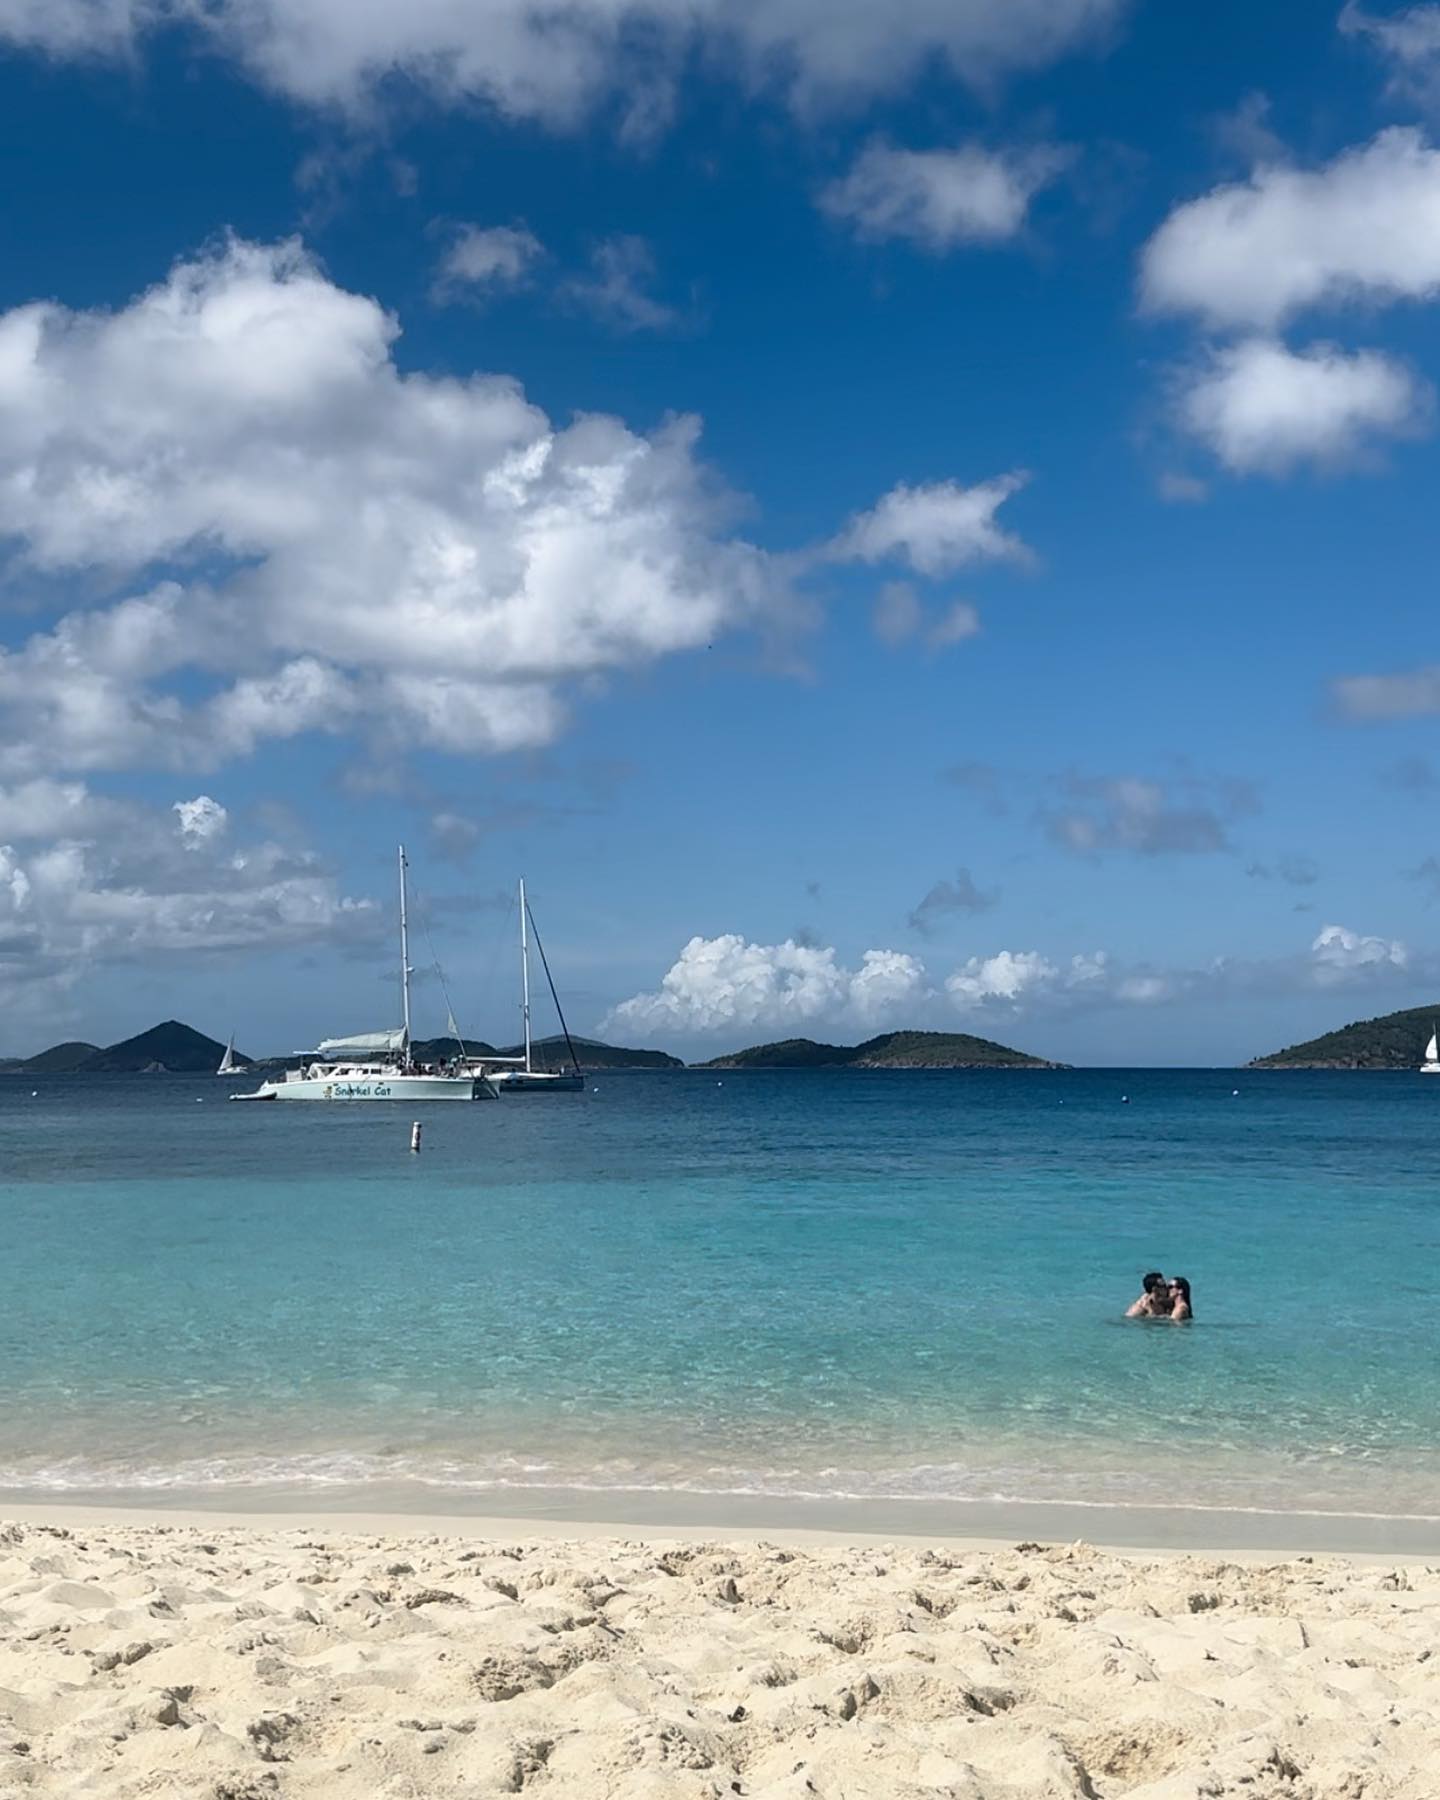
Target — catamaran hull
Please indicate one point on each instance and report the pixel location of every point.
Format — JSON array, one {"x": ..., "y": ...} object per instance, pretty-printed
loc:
[
  {"x": 375, "y": 1087},
  {"x": 517, "y": 1081}
]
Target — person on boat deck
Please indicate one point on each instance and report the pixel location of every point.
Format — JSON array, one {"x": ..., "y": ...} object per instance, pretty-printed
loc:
[{"x": 1154, "y": 1301}]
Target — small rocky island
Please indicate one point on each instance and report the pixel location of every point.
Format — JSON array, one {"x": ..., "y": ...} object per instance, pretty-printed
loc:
[
  {"x": 1396, "y": 1041},
  {"x": 891, "y": 1050}
]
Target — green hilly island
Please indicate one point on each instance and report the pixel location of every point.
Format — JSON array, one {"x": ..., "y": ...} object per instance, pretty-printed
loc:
[
  {"x": 59, "y": 1059},
  {"x": 440, "y": 1049},
  {"x": 553, "y": 1053},
  {"x": 891, "y": 1050},
  {"x": 1396, "y": 1041},
  {"x": 168, "y": 1049}
]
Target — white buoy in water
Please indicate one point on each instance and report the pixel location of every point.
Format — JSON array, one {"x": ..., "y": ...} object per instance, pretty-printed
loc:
[
  {"x": 34, "y": 1093},
  {"x": 1124, "y": 1099},
  {"x": 415, "y": 1136}
]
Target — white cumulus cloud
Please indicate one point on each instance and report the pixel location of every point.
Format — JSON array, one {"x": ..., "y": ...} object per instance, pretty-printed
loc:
[
  {"x": 1020, "y": 979},
  {"x": 935, "y": 527},
  {"x": 726, "y": 981},
  {"x": 532, "y": 60},
  {"x": 1338, "y": 954},
  {"x": 201, "y": 819},
  {"x": 885, "y": 985},
  {"x": 940, "y": 199},
  {"x": 356, "y": 547},
  {"x": 1263, "y": 408},
  {"x": 1008, "y": 975},
  {"x": 1365, "y": 227}
]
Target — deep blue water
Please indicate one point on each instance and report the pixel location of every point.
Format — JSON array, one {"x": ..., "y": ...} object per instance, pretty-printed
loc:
[{"x": 889, "y": 1283}]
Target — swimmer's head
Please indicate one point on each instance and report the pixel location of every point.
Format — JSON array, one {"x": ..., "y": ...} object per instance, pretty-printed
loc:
[{"x": 1154, "y": 1282}]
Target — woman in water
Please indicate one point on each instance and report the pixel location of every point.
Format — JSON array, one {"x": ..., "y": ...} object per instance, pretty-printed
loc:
[{"x": 1180, "y": 1313}]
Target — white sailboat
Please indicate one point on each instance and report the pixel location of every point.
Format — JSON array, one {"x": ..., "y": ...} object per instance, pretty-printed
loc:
[
  {"x": 377, "y": 1065},
  {"x": 519, "y": 1075},
  {"x": 1431, "y": 1064},
  {"x": 228, "y": 1064}
]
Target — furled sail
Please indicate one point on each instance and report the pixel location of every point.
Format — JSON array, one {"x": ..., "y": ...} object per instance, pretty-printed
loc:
[{"x": 368, "y": 1043}]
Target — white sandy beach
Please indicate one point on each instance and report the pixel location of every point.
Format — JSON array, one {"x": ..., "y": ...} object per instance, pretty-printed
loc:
[{"x": 254, "y": 1663}]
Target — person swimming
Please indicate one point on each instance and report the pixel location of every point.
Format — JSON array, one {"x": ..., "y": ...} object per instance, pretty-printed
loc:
[
  {"x": 1154, "y": 1301},
  {"x": 1179, "y": 1290}
]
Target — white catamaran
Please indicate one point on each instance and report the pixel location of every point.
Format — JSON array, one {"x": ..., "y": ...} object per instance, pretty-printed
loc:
[
  {"x": 1431, "y": 1064},
  {"x": 518, "y": 1075},
  {"x": 377, "y": 1065}
]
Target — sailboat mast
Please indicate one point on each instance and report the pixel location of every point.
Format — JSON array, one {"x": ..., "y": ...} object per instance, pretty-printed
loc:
[
  {"x": 404, "y": 953},
  {"x": 525, "y": 971}
]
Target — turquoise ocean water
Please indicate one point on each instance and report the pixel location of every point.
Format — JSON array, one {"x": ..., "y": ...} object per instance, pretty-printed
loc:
[{"x": 869, "y": 1285}]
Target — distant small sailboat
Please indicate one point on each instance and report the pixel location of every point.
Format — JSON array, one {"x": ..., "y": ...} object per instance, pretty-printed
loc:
[
  {"x": 228, "y": 1064},
  {"x": 1431, "y": 1064}
]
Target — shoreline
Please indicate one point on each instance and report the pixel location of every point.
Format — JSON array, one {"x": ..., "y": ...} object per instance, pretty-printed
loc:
[{"x": 584, "y": 1515}]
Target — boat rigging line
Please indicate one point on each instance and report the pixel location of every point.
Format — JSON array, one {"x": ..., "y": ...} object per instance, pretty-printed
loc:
[{"x": 559, "y": 1012}]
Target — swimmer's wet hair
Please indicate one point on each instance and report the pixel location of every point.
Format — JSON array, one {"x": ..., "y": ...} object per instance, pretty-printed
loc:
[{"x": 1152, "y": 1281}]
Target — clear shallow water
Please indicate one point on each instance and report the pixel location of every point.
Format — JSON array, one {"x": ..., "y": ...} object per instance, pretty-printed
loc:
[{"x": 900, "y": 1285}]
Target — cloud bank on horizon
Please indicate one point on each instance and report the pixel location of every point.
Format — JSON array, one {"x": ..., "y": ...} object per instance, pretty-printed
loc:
[
  {"x": 86, "y": 879},
  {"x": 719, "y": 986}
]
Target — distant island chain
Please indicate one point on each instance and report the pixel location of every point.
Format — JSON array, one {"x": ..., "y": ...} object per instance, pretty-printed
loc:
[{"x": 1398, "y": 1041}]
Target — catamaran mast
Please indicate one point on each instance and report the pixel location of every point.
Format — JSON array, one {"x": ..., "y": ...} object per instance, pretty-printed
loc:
[
  {"x": 525, "y": 972},
  {"x": 404, "y": 954}
]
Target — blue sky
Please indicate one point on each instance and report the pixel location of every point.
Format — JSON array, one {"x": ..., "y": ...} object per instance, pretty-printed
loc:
[{"x": 907, "y": 520}]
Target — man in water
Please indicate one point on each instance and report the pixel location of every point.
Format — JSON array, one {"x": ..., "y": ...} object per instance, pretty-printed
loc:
[{"x": 1154, "y": 1301}]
